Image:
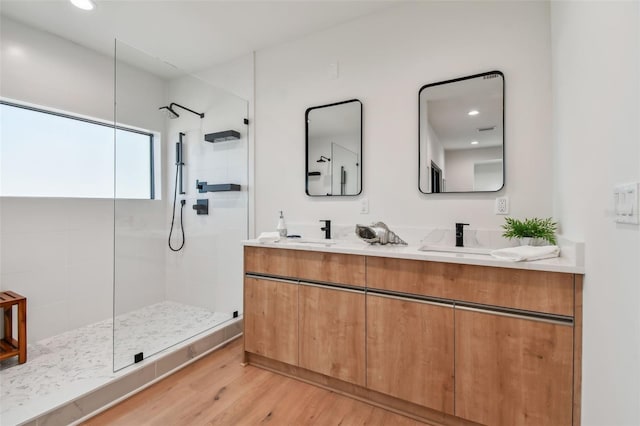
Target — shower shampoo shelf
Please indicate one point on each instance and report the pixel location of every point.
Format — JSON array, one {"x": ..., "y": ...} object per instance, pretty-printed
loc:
[
  {"x": 10, "y": 347},
  {"x": 203, "y": 187},
  {"x": 226, "y": 135}
]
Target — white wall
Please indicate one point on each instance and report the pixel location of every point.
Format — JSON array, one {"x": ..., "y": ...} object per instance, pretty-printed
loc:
[
  {"x": 384, "y": 59},
  {"x": 487, "y": 175},
  {"x": 59, "y": 252},
  {"x": 459, "y": 166},
  {"x": 596, "y": 87}
]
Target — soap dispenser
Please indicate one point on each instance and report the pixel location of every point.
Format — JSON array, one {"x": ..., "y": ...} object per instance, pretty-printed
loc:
[{"x": 282, "y": 226}]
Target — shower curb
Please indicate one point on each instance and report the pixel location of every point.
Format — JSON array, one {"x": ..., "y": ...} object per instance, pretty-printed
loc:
[{"x": 150, "y": 372}]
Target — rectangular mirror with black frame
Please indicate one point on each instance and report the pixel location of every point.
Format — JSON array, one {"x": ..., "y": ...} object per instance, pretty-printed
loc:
[
  {"x": 461, "y": 134},
  {"x": 334, "y": 149}
]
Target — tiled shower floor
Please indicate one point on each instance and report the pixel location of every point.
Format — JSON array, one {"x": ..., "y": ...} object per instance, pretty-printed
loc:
[{"x": 63, "y": 367}]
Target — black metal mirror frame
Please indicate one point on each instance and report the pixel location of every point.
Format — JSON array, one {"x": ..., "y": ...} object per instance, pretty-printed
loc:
[
  {"x": 306, "y": 163},
  {"x": 420, "y": 169}
]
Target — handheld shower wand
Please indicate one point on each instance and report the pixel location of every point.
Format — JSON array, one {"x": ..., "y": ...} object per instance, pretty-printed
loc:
[{"x": 180, "y": 161}]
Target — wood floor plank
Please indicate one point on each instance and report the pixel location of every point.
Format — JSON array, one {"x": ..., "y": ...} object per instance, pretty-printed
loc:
[
  {"x": 344, "y": 411},
  {"x": 218, "y": 391}
]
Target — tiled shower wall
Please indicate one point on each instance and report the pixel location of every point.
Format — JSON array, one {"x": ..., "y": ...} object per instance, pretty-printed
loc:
[
  {"x": 208, "y": 271},
  {"x": 58, "y": 253}
]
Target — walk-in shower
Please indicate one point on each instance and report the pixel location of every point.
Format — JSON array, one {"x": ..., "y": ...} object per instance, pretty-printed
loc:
[
  {"x": 205, "y": 272},
  {"x": 104, "y": 291}
]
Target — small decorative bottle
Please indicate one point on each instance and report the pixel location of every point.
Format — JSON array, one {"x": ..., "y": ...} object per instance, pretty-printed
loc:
[{"x": 282, "y": 226}]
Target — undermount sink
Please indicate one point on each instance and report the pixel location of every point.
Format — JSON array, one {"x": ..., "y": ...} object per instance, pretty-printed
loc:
[
  {"x": 312, "y": 241},
  {"x": 463, "y": 250}
]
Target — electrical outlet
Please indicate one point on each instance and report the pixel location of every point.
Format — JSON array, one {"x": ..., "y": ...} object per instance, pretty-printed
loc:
[
  {"x": 502, "y": 205},
  {"x": 364, "y": 206}
]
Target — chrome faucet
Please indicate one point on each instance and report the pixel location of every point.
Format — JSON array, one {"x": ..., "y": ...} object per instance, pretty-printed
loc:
[
  {"x": 326, "y": 228},
  {"x": 460, "y": 234}
]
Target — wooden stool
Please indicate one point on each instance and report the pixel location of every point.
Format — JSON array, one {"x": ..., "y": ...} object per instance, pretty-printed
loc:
[{"x": 8, "y": 345}]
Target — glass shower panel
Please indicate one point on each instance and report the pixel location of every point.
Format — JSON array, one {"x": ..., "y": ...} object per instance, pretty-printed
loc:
[{"x": 183, "y": 208}]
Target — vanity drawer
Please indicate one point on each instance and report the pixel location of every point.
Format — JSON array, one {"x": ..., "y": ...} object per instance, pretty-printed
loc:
[
  {"x": 306, "y": 265},
  {"x": 538, "y": 291}
]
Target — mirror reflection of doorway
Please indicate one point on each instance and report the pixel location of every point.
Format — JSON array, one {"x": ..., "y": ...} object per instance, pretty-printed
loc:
[
  {"x": 344, "y": 170},
  {"x": 436, "y": 178}
]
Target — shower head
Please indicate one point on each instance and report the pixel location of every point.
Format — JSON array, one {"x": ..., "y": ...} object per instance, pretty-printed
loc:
[
  {"x": 171, "y": 113},
  {"x": 323, "y": 159}
]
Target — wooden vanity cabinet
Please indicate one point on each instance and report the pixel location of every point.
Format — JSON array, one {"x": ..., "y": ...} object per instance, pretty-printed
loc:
[
  {"x": 512, "y": 370},
  {"x": 307, "y": 309},
  {"x": 271, "y": 319},
  {"x": 410, "y": 348},
  {"x": 446, "y": 343},
  {"x": 332, "y": 332}
]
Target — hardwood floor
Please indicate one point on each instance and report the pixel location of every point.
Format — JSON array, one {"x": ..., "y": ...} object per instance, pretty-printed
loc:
[{"x": 218, "y": 390}]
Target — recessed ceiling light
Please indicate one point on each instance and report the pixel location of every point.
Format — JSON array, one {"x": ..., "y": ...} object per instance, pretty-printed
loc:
[
  {"x": 474, "y": 143},
  {"x": 472, "y": 112},
  {"x": 84, "y": 4}
]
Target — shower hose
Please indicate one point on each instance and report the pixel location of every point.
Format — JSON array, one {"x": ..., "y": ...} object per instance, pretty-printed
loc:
[{"x": 173, "y": 213}]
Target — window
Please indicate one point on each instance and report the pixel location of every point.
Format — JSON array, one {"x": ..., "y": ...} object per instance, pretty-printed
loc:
[{"x": 50, "y": 154}]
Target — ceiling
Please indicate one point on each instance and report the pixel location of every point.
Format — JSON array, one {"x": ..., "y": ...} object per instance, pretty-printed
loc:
[
  {"x": 192, "y": 35},
  {"x": 447, "y": 111},
  {"x": 342, "y": 120}
]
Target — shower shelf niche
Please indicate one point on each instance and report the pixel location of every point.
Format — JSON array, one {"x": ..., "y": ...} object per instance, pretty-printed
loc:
[
  {"x": 226, "y": 135},
  {"x": 220, "y": 187}
]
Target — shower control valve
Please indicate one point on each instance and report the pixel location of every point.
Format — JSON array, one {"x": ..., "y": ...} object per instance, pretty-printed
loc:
[{"x": 202, "y": 206}]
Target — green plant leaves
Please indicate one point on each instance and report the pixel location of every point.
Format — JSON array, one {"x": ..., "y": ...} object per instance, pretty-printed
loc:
[{"x": 535, "y": 228}]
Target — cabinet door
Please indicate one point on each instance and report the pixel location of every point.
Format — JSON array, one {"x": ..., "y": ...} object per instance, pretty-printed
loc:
[
  {"x": 410, "y": 350},
  {"x": 271, "y": 319},
  {"x": 332, "y": 332},
  {"x": 512, "y": 370}
]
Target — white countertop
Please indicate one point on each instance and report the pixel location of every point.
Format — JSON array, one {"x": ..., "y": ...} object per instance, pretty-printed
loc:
[{"x": 565, "y": 263}]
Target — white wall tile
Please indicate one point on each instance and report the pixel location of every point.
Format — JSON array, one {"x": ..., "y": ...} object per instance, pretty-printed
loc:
[
  {"x": 47, "y": 321},
  {"x": 30, "y": 251}
]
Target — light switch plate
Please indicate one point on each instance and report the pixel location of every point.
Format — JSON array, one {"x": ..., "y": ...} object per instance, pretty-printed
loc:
[
  {"x": 364, "y": 206},
  {"x": 625, "y": 199}
]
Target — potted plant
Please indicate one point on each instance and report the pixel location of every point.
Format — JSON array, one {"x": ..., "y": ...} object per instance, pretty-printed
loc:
[{"x": 528, "y": 229}]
